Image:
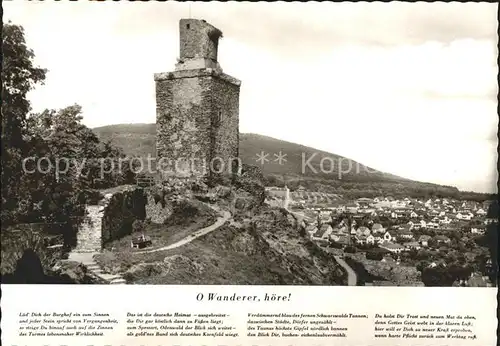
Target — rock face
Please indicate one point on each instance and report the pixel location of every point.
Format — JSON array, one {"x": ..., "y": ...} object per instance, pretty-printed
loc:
[
  {"x": 268, "y": 249},
  {"x": 241, "y": 194},
  {"x": 158, "y": 210},
  {"x": 160, "y": 198},
  {"x": 75, "y": 273},
  {"x": 248, "y": 189},
  {"x": 30, "y": 268}
]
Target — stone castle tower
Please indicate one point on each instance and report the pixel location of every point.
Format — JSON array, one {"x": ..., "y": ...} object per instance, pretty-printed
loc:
[{"x": 197, "y": 108}]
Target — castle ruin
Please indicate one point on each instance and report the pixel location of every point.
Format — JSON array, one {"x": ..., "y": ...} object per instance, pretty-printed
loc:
[{"x": 197, "y": 108}]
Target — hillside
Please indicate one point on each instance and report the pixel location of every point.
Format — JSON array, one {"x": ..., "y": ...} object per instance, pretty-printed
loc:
[
  {"x": 358, "y": 181},
  {"x": 276, "y": 241},
  {"x": 134, "y": 139},
  {"x": 139, "y": 140},
  {"x": 280, "y": 255}
]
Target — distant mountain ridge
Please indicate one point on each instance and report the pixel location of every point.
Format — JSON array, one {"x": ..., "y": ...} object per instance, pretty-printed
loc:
[
  {"x": 140, "y": 140},
  {"x": 360, "y": 180}
]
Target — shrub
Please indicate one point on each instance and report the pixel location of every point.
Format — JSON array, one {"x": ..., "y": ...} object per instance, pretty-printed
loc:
[
  {"x": 335, "y": 245},
  {"x": 438, "y": 277},
  {"x": 350, "y": 249},
  {"x": 90, "y": 196},
  {"x": 138, "y": 226},
  {"x": 376, "y": 256},
  {"x": 302, "y": 231}
]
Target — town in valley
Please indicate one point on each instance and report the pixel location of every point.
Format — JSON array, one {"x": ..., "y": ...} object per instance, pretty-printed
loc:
[{"x": 399, "y": 241}]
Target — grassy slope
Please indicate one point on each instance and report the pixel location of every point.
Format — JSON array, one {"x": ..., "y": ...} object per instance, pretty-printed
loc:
[{"x": 178, "y": 226}]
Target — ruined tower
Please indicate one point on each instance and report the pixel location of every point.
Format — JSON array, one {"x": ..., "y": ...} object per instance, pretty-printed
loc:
[{"x": 197, "y": 106}]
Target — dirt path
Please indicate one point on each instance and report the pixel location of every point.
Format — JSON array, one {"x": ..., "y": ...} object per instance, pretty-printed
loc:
[{"x": 201, "y": 232}]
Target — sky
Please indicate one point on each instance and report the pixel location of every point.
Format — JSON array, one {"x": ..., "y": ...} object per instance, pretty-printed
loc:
[{"x": 406, "y": 88}]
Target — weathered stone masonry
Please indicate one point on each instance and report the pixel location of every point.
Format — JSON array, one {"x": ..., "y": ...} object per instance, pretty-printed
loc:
[
  {"x": 120, "y": 211},
  {"x": 197, "y": 108}
]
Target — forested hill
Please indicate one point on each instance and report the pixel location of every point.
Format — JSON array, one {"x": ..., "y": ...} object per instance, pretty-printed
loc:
[{"x": 358, "y": 181}]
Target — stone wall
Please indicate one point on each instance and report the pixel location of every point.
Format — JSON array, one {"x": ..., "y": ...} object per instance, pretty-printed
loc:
[
  {"x": 197, "y": 120},
  {"x": 124, "y": 207},
  {"x": 198, "y": 39},
  {"x": 16, "y": 241},
  {"x": 182, "y": 124},
  {"x": 225, "y": 120}
]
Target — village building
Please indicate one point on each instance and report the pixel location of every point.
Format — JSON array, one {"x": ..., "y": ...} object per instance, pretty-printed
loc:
[
  {"x": 413, "y": 245},
  {"x": 394, "y": 248},
  {"x": 477, "y": 230},
  {"x": 424, "y": 240},
  {"x": 363, "y": 231},
  {"x": 370, "y": 240},
  {"x": 360, "y": 239},
  {"x": 378, "y": 228},
  {"x": 389, "y": 237},
  {"x": 442, "y": 239}
]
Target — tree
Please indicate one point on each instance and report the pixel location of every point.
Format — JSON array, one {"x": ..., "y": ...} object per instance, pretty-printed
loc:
[
  {"x": 432, "y": 243},
  {"x": 492, "y": 241},
  {"x": 400, "y": 240},
  {"x": 421, "y": 265},
  {"x": 376, "y": 256},
  {"x": 438, "y": 276},
  {"x": 350, "y": 249},
  {"x": 422, "y": 254},
  {"x": 19, "y": 76},
  {"x": 412, "y": 254},
  {"x": 64, "y": 144},
  {"x": 138, "y": 226},
  {"x": 494, "y": 209},
  {"x": 455, "y": 236},
  {"x": 335, "y": 245},
  {"x": 60, "y": 136},
  {"x": 34, "y": 195}
]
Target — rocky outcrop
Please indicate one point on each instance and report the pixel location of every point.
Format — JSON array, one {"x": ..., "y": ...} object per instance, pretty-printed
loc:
[
  {"x": 158, "y": 208},
  {"x": 79, "y": 264},
  {"x": 249, "y": 190},
  {"x": 161, "y": 198},
  {"x": 242, "y": 194},
  {"x": 266, "y": 249},
  {"x": 76, "y": 272}
]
